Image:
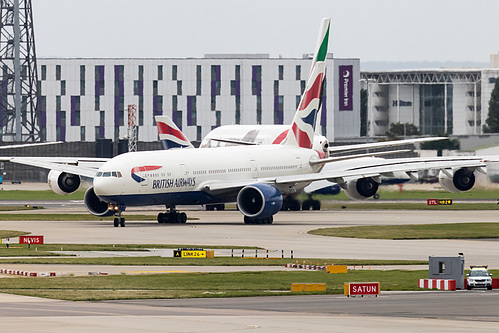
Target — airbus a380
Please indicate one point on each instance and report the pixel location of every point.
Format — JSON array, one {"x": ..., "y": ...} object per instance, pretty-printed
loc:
[{"x": 255, "y": 177}]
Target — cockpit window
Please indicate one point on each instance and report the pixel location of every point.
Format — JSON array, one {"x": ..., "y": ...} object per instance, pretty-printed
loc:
[{"x": 115, "y": 174}]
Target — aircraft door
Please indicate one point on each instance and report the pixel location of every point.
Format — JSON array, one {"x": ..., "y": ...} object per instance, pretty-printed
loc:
[{"x": 254, "y": 169}]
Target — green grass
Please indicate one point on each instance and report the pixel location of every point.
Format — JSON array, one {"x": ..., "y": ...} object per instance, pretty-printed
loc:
[
  {"x": 416, "y": 231},
  {"x": 17, "y": 208},
  {"x": 73, "y": 217},
  {"x": 12, "y": 233},
  {"x": 39, "y": 195},
  {"x": 380, "y": 205},
  {"x": 217, "y": 261},
  {"x": 180, "y": 285}
]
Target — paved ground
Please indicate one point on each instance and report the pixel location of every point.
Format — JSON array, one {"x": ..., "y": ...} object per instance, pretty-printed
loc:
[
  {"x": 289, "y": 232},
  {"x": 393, "y": 312}
]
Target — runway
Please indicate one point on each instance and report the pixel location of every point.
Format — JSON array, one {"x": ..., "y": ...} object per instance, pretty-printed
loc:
[
  {"x": 289, "y": 232},
  {"x": 390, "y": 312}
]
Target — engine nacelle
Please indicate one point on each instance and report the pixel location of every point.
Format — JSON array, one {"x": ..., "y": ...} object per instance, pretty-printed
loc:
[
  {"x": 361, "y": 189},
  {"x": 463, "y": 180},
  {"x": 95, "y": 205},
  {"x": 259, "y": 200},
  {"x": 63, "y": 183}
]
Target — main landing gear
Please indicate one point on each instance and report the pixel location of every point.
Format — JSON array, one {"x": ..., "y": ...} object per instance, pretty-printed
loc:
[
  {"x": 172, "y": 216},
  {"x": 254, "y": 220}
]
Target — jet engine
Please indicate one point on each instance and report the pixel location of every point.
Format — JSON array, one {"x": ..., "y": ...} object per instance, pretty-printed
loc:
[
  {"x": 259, "y": 201},
  {"x": 95, "y": 205},
  {"x": 63, "y": 183},
  {"x": 361, "y": 188},
  {"x": 462, "y": 180}
]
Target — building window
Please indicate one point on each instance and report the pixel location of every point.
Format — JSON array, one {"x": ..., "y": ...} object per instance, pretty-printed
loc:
[
  {"x": 63, "y": 87},
  {"x": 160, "y": 72},
  {"x": 58, "y": 72},
  {"x": 281, "y": 72},
  {"x": 174, "y": 72},
  {"x": 298, "y": 72},
  {"x": 44, "y": 72},
  {"x": 179, "y": 88},
  {"x": 82, "y": 133},
  {"x": 198, "y": 80}
]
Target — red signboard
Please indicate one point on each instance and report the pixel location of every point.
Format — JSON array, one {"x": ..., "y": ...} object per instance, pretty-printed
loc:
[
  {"x": 432, "y": 202},
  {"x": 364, "y": 288},
  {"x": 30, "y": 239}
]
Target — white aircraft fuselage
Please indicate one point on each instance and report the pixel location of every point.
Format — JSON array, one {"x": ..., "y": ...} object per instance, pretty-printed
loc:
[{"x": 179, "y": 177}]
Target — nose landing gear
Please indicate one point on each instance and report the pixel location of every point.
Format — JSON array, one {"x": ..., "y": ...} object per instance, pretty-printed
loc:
[{"x": 118, "y": 209}]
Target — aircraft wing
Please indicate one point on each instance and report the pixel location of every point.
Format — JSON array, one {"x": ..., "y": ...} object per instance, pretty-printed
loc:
[
  {"x": 337, "y": 149},
  {"x": 378, "y": 167},
  {"x": 84, "y": 166},
  {"x": 386, "y": 168}
]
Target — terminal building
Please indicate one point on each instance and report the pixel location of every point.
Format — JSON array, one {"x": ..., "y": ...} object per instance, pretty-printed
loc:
[
  {"x": 87, "y": 99},
  {"x": 437, "y": 101}
]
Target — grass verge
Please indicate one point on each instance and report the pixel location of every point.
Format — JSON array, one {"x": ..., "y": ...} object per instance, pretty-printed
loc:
[
  {"x": 217, "y": 261},
  {"x": 181, "y": 285},
  {"x": 415, "y": 231}
]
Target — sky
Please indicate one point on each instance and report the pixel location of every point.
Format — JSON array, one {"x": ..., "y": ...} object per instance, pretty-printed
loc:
[{"x": 372, "y": 30}]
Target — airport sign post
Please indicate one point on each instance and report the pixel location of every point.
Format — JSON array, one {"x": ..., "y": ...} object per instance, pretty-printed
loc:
[
  {"x": 192, "y": 253},
  {"x": 361, "y": 288},
  {"x": 37, "y": 240}
]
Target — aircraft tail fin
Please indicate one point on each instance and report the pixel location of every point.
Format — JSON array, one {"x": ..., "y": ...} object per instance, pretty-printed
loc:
[
  {"x": 304, "y": 121},
  {"x": 170, "y": 135}
]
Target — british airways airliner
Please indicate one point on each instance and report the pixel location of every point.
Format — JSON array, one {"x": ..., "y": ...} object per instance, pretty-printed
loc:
[{"x": 254, "y": 176}]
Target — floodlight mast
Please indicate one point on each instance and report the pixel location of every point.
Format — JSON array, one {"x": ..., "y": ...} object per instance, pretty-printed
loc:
[
  {"x": 132, "y": 127},
  {"x": 19, "y": 113}
]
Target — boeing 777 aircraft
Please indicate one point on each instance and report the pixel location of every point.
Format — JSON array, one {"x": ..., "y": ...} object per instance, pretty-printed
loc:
[{"x": 255, "y": 177}]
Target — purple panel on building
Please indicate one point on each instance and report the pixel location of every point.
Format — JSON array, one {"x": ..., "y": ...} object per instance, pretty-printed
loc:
[
  {"x": 141, "y": 88},
  {"x": 259, "y": 88},
  {"x": 63, "y": 133},
  {"x": 218, "y": 72},
  {"x": 345, "y": 84},
  {"x": 213, "y": 88},
  {"x": 101, "y": 131},
  {"x": 237, "y": 86}
]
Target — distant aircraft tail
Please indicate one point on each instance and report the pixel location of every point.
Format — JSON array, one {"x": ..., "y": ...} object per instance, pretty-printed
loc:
[
  {"x": 304, "y": 121},
  {"x": 170, "y": 135}
]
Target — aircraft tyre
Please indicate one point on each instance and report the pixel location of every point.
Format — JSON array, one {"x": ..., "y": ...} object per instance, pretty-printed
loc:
[
  {"x": 316, "y": 205},
  {"x": 253, "y": 220},
  {"x": 122, "y": 222},
  {"x": 116, "y": 222},
  {"x": 172, "y": 217},
  {"x": 290, "y": 204}
]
